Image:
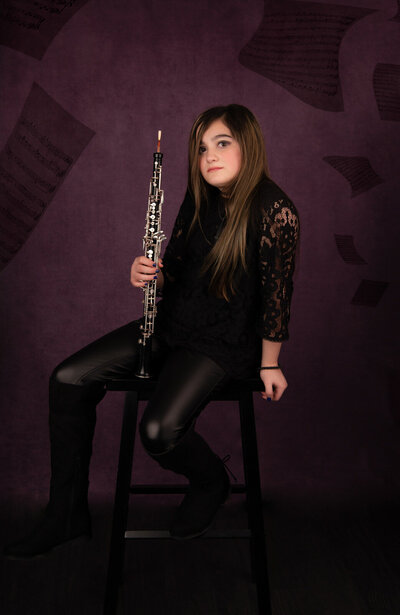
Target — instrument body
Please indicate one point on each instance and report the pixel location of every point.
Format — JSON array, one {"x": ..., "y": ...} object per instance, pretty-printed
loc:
[{"x": 152, "y": 241}]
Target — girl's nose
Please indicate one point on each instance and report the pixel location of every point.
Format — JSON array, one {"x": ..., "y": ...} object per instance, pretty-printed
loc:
[{"x": 211, "y": 155}]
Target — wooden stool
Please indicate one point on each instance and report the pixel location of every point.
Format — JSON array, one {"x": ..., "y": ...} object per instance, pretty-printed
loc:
[{"x": 141, "y": 390}]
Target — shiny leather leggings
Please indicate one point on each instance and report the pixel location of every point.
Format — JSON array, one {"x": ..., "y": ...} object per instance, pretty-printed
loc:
[{"x": 185, "y": 381}]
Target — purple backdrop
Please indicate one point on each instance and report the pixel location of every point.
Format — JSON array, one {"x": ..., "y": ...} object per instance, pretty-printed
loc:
[{"x": 84, "y": 91}]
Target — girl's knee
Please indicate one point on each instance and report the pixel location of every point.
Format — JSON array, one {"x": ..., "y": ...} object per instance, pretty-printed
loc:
[
  {"x": 156, "y": 437},
  {"x": 63, "y": 374},
  {"x": 69, "y": 371}
]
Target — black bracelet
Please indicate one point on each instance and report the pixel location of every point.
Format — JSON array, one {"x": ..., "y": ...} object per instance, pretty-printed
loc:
[{"x": 270, "y": 367}]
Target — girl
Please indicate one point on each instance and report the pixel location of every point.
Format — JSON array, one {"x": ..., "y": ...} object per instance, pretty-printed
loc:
[{"x": 226, "y": 284}]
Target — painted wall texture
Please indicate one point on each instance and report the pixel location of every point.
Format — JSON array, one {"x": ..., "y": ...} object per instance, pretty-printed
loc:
[{"x": 85, "y": 86}]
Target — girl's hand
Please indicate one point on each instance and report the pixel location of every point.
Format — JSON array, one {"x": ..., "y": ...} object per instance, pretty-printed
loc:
[
  {"x": 143, "y": 270},
  {"x": 275, "y": 383}
]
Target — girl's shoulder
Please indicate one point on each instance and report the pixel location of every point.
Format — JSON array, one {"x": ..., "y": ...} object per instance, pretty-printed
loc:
[
  {"x": 273, "y": 204},
  {"x": 270, "y": 196}
]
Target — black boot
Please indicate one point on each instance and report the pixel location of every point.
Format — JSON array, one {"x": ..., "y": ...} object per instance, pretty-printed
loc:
[
  {"x": 67, "y": 514},
  {"x": 209, "y": 484}
]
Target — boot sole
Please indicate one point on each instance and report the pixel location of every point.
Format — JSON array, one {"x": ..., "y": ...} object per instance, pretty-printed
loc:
[
  {"x": 44, "y": 554},
  {"x": 204, "y": 530}
]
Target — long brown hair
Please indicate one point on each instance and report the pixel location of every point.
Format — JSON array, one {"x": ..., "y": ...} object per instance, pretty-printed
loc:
[{"x": 229, "y": 251}]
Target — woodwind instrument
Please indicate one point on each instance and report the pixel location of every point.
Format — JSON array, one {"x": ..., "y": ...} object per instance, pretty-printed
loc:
[{"x": 152, "y": 249}]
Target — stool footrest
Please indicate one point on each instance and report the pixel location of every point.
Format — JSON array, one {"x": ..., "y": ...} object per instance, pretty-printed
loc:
[
  {"x": 157, "y": 534},
  {"x": 178, "y": 488}
]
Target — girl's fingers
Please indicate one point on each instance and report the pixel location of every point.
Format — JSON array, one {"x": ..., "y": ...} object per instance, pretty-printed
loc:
[
  {"x": 139, "y": 283},
  {"x": 143, "y": 260},
  {"x": 144, "y": 279},
  {"x": 275, "y": 395},
  {"x": 138, "y": 278},
  {"x": 144, "y": 270},
  {"x": 148, "y": 267},
  {"x": 147, "y": 278},
  {"x": 278, "y": 392},
  {"x": 147, "y": 271}
]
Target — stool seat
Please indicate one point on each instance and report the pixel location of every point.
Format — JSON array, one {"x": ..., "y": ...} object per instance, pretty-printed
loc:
[
  {"x": 141, "y": 389},
  {"x": 146, "y": 386}
]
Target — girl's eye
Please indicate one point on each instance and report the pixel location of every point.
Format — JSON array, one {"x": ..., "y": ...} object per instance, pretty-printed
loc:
[
  {"x": 223, "y": 143},
  {"x": 202, "y": 149}
]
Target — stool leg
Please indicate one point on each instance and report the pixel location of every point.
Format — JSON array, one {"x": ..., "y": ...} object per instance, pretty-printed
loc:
[
  {"x": 254, "y": 501},
  {"x": 121, "y": 503}
]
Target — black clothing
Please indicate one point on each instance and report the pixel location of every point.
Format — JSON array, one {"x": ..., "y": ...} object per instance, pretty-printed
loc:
[
  {"x": 186, "y": 378},
  {"x": 200, "y": 341},
  {"x": 184, "y": 385},
  {"x": 209, "y": 484},
  {"x": 230, "y": 332},
  {"x": 71, "y": 423},
  {"x": 185, "y": 381}
]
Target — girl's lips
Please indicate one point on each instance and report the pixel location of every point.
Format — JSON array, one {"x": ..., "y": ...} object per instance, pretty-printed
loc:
[{"x": 214, "y": 169}]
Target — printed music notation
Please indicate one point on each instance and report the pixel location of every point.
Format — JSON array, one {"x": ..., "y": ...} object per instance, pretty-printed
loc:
[
  {"x": 347, "y": 250},
  {"x": 369, "y": 293},
  {"x": 30, "y": 26},
  {"x": 397, "y": 16},
  {"x": 386, "y": 81},
  {"x": 357, "y": 170},
  {"x": 297, "y": 46},
  {"x": 44, "y": 145}
]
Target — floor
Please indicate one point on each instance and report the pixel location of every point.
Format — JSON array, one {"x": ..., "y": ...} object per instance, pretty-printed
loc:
[{"x": 324, "y": 559}]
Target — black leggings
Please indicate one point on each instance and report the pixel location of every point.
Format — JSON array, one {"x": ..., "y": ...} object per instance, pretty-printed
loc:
[{"x": 185, "y": 381}]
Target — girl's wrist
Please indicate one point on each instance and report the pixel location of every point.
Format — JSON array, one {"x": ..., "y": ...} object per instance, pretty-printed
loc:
[{"x": 269, "y": 366}]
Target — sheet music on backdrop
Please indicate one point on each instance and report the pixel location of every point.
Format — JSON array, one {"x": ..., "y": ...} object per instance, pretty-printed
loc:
[
  {"x": 30, "y": 27},
  {"x": 43, "y": 147}
]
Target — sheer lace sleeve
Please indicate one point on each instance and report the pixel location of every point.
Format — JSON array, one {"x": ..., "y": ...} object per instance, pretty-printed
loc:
[
  {"x": 175, "y": 250},
  {"x": 279, "y": 234}
]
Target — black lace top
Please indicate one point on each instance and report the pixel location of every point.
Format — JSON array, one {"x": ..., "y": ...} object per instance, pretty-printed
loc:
[{"x": 231, "y": 332}]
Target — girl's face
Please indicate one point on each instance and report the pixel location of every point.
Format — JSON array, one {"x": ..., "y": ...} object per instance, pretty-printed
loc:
[{"x": 220, "y": 157}]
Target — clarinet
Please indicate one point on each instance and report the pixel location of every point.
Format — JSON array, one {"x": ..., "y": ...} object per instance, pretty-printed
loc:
[{"x": 152, "y": 240}]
